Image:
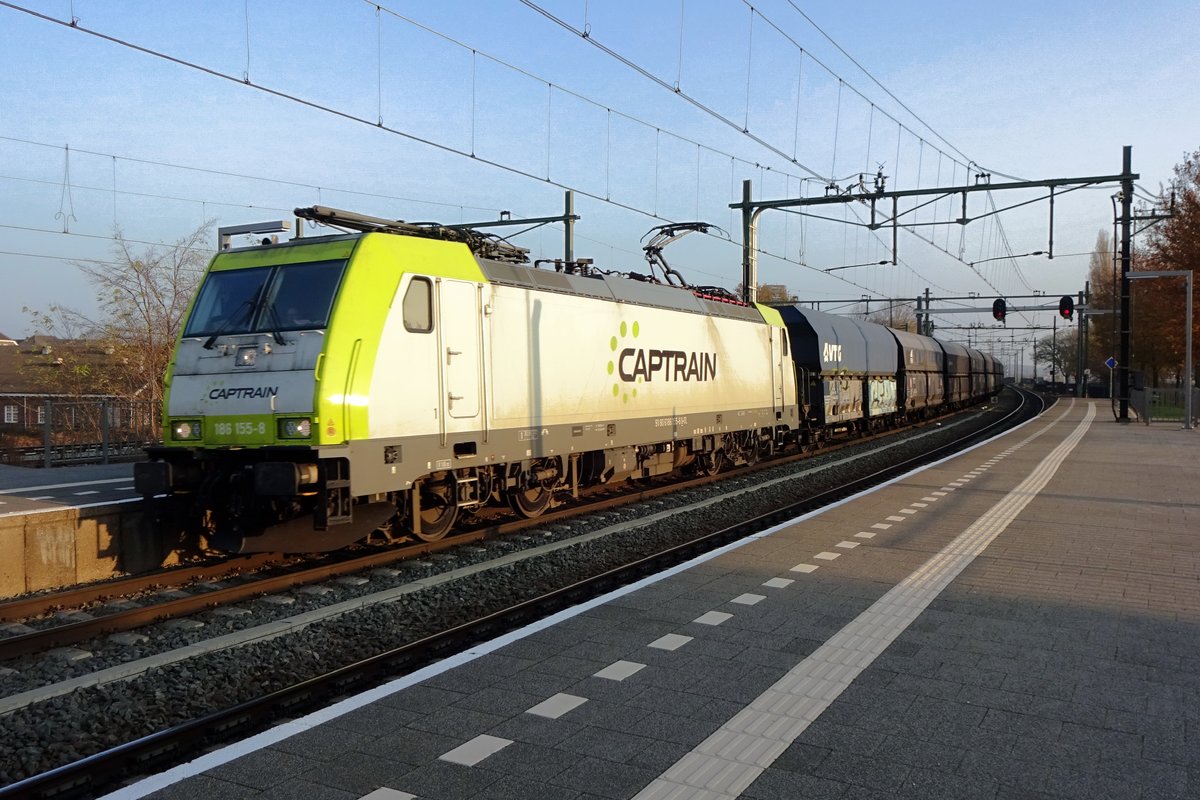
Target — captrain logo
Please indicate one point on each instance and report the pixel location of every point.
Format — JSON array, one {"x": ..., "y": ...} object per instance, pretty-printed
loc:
[{"x": 637, "y": 365}]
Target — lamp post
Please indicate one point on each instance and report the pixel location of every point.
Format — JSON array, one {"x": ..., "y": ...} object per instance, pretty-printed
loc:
[{"x": 1186, "y": 274}]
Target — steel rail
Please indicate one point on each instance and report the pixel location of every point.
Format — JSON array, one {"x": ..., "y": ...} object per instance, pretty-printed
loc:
[{"x": 32, "y": 606}]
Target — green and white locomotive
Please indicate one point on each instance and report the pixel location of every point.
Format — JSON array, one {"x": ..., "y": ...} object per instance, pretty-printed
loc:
[{"x": 399, "y": 376}]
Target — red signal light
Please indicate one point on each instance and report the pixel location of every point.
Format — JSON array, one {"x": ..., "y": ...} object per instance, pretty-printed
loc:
[{"x": 1066, "y": 307}]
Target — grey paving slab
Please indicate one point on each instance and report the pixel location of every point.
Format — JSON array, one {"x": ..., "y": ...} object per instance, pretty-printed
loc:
[
  {"x": 604, "y": 778},
  {"x": 261, "y": 769},
  {"x": 456, "y": 721},
  {"x": 531, "y": 761},
  {"x": 441, "y": 780},
  {"x": 204, "y": 787},
  {"x": 407, "y": 747},
  {"x": 512, "y": 787},
  {"x": 501, "y": 702},
  {"x": 324, "y": 744},
  {"x": 300, "y": 789},
  {"x": 359, "y": 775}
]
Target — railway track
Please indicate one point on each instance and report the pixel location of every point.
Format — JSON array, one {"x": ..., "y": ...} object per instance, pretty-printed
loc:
[
  {"x": 87, "y": 776},
  {"x": 257, "y": 582}
]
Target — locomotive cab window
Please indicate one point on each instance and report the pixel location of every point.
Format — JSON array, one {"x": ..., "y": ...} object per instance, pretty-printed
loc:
[
  {"x": 418, "y": 306},
  {"x": 287, "y": 297}
]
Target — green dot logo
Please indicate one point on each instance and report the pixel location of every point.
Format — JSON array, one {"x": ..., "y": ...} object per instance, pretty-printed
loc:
[{"x": 625, "y": 330}]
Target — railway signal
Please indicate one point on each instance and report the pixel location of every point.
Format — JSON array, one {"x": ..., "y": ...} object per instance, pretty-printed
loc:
[
  {"x": 999, "y": 309},
  {"x": 1066, "y": 306}
]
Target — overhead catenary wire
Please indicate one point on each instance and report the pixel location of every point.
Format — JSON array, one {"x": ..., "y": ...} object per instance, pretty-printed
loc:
[
  {"x": 886, "y": 91},
  {"x": 586, "y": 36},
  {"x": 318, "y": 106},
  {"x": 239, "y": 175},
  {"x": 565, "y": 90}
]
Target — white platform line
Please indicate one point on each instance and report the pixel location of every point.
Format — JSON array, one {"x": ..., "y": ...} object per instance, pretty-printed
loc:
[{"x": 63, "y": 485}]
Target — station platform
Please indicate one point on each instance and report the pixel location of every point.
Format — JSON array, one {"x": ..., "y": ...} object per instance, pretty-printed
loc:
[{"x": 1019, "y": 621}]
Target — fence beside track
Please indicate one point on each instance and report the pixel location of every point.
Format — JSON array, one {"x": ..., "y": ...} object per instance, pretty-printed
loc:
[{"x": 83, "y": 431}]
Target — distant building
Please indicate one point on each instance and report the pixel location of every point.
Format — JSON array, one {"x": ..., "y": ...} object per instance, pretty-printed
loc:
[{"x": 70, "y": 374}]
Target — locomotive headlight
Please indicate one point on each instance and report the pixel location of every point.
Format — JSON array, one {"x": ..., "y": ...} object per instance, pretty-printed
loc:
[
  {"x": 246, "y": 356},
  {"x": 183, "y": 430},
  {"x": 295, "y": 428}
]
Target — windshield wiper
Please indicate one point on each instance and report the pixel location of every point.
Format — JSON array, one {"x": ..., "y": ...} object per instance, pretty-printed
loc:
[
  {"x": 275, "y": 334},
  {"x": 228, "y": 323}
]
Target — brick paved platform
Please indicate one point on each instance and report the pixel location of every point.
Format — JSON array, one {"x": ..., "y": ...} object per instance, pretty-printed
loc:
[{"x": 1021, "y": 621}]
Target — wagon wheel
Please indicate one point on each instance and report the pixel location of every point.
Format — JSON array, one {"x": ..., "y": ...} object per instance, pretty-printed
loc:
[
  {"x": 531, "y": 502},
  {"x": 707, "y": 464},
  {"x": 439, "y": 507}
]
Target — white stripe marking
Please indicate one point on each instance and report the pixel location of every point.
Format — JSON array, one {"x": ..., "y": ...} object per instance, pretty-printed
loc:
[
  {"x": 804, "y": 568},
  {"x": 62, "y": 485},
  {"x": 476, "y": 750},
  {"x": 384, "y": 793},
  {"x": 620, "y": 670},
  {"x": 827, "y": 556},
  {"x": 554, "y": 707},
  {"x": 671, "y": 641}
]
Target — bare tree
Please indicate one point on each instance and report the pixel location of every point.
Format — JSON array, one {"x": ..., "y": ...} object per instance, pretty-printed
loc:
[
  {"x": 142, "y": 296},
  {"x": 768, "y": 293},
  {"x": 900, "y": 316},
  {"x": 1059, "y": 350},
  {"x": 1104, "y": 295}
]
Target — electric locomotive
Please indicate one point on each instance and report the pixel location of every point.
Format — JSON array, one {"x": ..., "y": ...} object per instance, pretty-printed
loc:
[
  {"x": 396, "y": 377},
  {"x": 402, "y": 375}
]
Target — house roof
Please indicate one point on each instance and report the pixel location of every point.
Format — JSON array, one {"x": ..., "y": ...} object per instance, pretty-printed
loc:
[{"x": 30, "y": 367}]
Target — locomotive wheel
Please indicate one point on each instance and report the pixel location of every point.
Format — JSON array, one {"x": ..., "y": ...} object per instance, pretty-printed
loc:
[
  {"x": 439, "y": 509},
  {"x": 530, "y": 502},
  {"x": 710, "y": 463}
]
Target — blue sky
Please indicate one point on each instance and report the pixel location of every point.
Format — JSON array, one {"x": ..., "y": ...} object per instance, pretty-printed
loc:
[{"x": 1035, "y": 90}]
